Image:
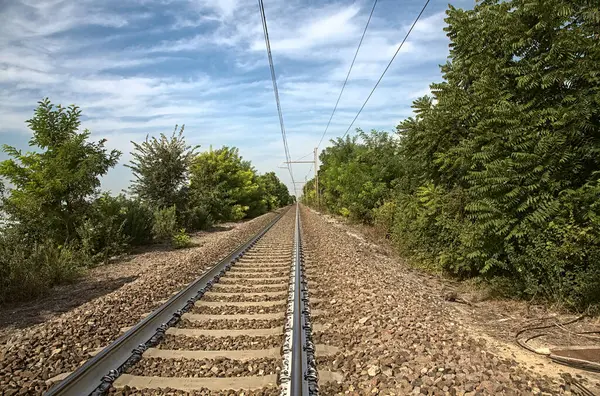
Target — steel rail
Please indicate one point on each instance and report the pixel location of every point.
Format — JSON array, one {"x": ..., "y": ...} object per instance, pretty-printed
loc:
[
  {"x": 309, "y": 366},
  {"x": 299, "y": 385},
  {"x": 95, "y": 377}
]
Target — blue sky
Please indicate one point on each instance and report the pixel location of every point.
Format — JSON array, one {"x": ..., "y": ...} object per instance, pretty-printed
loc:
[{"x": 139, "y": 67}]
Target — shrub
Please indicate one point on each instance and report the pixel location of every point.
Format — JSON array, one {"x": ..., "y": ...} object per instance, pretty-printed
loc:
[
  {"x": 101, "y": 233},
  {"x": 197, "y": 218},
  {"x": 181, "y": 240},
  {"x": 165, "y": 223},
  {"x": 238, "y": 212},
  {"x": 138, "y": 221},
  {"x": 29, "y": 270},
  {"x": 384, "y": 218}
]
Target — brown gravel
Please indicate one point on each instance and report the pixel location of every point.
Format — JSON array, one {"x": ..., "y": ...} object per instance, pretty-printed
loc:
[
  {"x": 256, "y": 289},
  {"x": 232, "y": 324},
  {"x": 220, "y": 367},
  {"x": 273, "y": 391},
  {"x": 262, "y": 274},
  {"x": 396, "y": 333},
  {"x": 242, "y": 269},
  {"x": 218, "y": 344},
  {"x": 230, "y": 309},
  {"x": 248, "y": 282},
  {"x": 31, "y": 356},
  {"x": 228, "y": 297}
]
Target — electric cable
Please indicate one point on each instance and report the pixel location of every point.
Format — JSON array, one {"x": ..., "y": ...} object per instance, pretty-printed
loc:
[
  {"x": 347, "y": 75},
  {"x": 387, "y": 67},
  {"x": 276, "y": 92}
]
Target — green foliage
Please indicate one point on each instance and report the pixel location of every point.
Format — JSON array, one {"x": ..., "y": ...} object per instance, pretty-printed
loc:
[
  {"x": 384, "y": 218},
  {"x": 54, "y": 222},
  {"x": 27, "y": 271},
  {"x": 275, "y": 193},
  {"x": 50, "y": 187},
  {"x": 181, "y": 240},
  {"x": 229, "y": 187},
  {"x": 101, "y": 234},
  {"x": 356, "y": 174},
  {"x": 165, "y": 223},
  {"x": 160, "y": 167},
  {"x": 496, "y": 175},
  {"x": 197, "y": 217},
  {"x": 138, "y": 221},
  {"x": 112, "y": 225}
]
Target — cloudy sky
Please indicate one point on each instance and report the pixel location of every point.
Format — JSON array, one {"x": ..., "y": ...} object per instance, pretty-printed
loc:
[{"x": 139, "y": 67}]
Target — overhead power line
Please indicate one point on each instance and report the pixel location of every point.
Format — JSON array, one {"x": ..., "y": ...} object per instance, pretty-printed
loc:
[
  {"x": 387, "y": 67},
  {"x": 304, "y": 156},
  {"x": 348, "y": 75},
  {"x": 276, "y": 91}
]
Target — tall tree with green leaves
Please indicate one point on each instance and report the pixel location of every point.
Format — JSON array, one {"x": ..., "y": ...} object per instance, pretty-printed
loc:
[
  {"x": 161, "y": 167},
  {"x": 515, "y": 133},
  {"x": 276, "y": 193},
  {"x": 226, "y": 185},
  {"x": 357, "y": 173},
  {"x": 52, "y": 186}
]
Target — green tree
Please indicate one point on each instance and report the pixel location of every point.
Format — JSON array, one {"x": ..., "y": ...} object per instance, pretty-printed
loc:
[
  {"x": 276, "y": 193},
  {"x": 357, "y": 173},
  {"x": 226, "y": 185},
  {"x": 52, "y": 187},
  {"x": 514, "y": 137},
  {"x": 161, "y": 168}
]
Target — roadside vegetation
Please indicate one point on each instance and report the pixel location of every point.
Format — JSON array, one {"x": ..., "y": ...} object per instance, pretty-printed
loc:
[
  {"x": 56, "y": 222},
  {"x": 497, "y": 174}
]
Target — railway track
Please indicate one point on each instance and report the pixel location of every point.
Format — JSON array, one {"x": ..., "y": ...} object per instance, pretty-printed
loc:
[{"x": 245, "y": 326}]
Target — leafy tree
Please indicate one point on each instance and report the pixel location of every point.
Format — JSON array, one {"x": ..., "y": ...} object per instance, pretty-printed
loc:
[
  {"x": 51, "y": 187},
  {"x": 276, "y": 193},
  {"x": 226, "y": 185},
  {"x": 161, "y": 167},
  {"x": 357, "y": 173}
]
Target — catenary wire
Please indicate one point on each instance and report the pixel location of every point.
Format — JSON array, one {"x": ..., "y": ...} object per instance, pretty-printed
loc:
[
  {"x": 387, "y": 67},
  {"x": 347, "y": 75},
  {"x": 276, "y": 92}
]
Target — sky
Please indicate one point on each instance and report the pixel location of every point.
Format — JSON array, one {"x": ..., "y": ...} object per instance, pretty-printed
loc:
[{"x": 140, "y": 67}]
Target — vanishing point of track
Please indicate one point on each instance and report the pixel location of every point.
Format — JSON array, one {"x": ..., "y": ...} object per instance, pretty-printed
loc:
[{"x": 244, "y": 326}]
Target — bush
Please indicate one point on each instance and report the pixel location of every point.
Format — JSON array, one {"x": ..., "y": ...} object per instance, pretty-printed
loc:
[
  {"x": 384, "y": 218},
  {"x": 197, "y": 218},
  {"x": 165, "y": 224},
  {"x": 181, "y": 240},
  {"x": 101, "y": 233},
  {"x": 562, "y": 264},
  {"x": 112, "y": 225},
  {"x": 27, "y": 271},
  {"x": 238, "y": 212},
  {"x": 138, "y": 221}
]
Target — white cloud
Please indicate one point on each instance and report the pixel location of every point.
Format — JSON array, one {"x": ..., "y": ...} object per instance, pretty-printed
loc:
[{"x": 203, "y": 63}]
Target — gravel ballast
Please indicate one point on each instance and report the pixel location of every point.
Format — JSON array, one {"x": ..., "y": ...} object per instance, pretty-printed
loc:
[
  {"x": 219, "y": 344},
  {"x": 231, "y": 310},
  {"x": 228, "y": 297},
  {"x": 205, "y": 367},
  {"x": 232, "y": 324},
  {"x": 272, "y": 391},
  {"x": 395, "y": 332},
  {"x": 36, "y": 354}
]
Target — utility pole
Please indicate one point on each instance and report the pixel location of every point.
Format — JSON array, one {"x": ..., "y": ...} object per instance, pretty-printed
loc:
[{"x": 315, "y": 163}]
